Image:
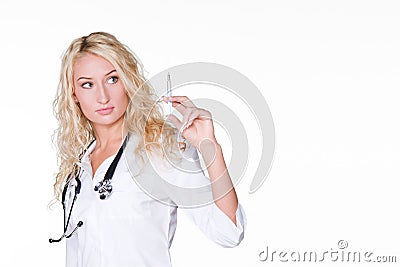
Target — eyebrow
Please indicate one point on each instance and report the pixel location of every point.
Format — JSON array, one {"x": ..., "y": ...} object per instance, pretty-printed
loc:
[{"x": 80, "y": 78}]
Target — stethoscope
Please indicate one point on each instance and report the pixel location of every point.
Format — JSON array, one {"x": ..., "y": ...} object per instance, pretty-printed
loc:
[{"x": 104, "y": 188}]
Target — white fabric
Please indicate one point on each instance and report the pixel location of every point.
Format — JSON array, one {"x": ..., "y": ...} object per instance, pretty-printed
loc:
[{"x": 130, "y": 228}]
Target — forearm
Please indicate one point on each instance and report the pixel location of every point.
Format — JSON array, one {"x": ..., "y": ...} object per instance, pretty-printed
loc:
[{"x": 224, "y": 193}]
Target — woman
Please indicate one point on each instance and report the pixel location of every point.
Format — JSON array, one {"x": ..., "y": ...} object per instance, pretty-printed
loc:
[{"x": 101, "y": 104}]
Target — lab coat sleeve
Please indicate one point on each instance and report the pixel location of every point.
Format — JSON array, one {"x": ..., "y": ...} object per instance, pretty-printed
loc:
[{"x": 217, "y": 226}]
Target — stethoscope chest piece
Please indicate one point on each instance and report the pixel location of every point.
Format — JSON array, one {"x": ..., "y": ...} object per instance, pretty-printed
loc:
[{"x": 104, "y": 188}]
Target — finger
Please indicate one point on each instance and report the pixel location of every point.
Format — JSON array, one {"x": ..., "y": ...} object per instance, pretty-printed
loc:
[
  {"x": 165, "y": 98},
  {"x": 180, "y": 107},
  {"x": 205, "y": 114},
  {"x": 197, "y": 113},
  {"x": 183, "y": 100},
  {"x": 180, "y": 103},
  {"x": 185, "y": 117}
]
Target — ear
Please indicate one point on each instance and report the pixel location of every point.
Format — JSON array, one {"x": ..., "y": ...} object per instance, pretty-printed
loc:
[{"x": 75, "y": 99}]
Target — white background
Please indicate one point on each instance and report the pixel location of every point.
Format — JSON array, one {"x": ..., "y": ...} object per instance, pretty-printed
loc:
[{"x": 329, "y": 71}]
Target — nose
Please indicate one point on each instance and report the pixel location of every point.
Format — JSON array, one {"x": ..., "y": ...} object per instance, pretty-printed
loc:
[{"x": 102, "y": 95}]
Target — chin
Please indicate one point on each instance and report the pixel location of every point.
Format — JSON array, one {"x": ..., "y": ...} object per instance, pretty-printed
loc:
[{"x": 107, "y": 121}]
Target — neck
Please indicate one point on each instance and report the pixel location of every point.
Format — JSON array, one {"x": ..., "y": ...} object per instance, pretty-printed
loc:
[{"x": 107, "y": 135}]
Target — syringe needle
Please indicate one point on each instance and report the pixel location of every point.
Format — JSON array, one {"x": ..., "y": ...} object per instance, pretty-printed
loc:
[{"x": 169, "y": 92}]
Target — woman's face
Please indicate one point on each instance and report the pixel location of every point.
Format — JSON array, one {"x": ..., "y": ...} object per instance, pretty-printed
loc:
[{"x": 99, "y": 91}]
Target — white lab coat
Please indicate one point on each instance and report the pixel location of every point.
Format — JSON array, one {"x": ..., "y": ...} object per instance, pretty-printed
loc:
[{"x": 131, "y": 228}]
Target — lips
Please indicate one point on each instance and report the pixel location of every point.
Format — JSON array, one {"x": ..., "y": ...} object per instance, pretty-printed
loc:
[{"x": 105, "y": 111}]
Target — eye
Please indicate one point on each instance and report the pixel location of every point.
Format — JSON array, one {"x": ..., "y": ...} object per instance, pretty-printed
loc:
[
  {"x": 87, "y": 85},
  {"x": 112, "y": 80}
]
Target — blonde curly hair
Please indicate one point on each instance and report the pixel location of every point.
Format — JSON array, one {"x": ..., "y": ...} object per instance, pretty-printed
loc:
[{"x": 144, "y": 115}]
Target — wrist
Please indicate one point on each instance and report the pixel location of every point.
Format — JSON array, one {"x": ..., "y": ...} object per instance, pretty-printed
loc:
[
  {"x": 208, "y": 144},
  {"x": 210, "y": 150}
]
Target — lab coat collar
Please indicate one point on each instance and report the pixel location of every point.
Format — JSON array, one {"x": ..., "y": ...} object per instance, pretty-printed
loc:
[
  {"x": 132, "y": 161},
  {"x": 85, "y": 161}
]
